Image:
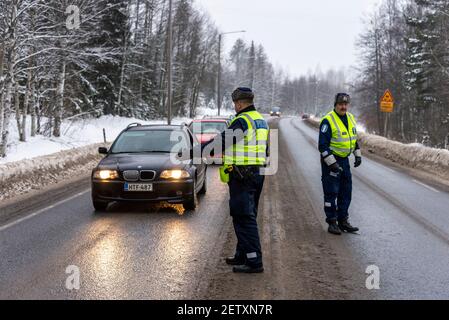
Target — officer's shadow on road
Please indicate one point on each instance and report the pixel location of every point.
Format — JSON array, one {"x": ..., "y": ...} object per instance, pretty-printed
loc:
[{"x": 162, "y": 209}]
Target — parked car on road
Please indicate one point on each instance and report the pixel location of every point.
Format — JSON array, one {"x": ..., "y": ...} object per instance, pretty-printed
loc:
[
  {"x": 139, "y": 166},
  {"x": 208, "y": 128}
]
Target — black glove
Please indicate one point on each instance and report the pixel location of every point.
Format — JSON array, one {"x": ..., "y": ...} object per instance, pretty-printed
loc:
[
  {"x": 358, "y": 162},
  {"x": 335, "y": 167}
]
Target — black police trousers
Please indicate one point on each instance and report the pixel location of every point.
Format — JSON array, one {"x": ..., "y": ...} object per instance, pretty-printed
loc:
[
  {"x": 244, "y": 201},
  {"x": 337, "y": 188}
]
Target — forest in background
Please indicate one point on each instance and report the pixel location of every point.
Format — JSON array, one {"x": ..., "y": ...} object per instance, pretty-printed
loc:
[
  {"x": 405, "y": 48},
  {"x": 63, "y": 59}
]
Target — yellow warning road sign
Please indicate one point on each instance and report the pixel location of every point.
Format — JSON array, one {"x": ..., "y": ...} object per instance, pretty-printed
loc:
[{"x": 387, "y": 102}]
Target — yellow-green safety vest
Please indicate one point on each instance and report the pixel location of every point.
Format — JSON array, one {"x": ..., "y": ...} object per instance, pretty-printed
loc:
[
  {"x": 344, "y": 139},
  {"x": 252, "y": 149}
]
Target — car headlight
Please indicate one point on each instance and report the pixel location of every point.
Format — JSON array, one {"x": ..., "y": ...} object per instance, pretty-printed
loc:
[
  {"x": 106, "y": 174},
  {"x": 175, "y": 174}
]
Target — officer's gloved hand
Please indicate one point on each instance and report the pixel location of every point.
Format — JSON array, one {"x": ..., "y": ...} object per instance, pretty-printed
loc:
[
  {"x": 332, "y": 163},
  {"x": 358, "y": 158},
  {"x": 358, "y": 162},
  {"x": 335, "y": 167}
]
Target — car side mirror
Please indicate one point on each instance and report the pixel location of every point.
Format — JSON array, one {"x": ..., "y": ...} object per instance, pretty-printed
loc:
[{"x": 102, "y": 150}]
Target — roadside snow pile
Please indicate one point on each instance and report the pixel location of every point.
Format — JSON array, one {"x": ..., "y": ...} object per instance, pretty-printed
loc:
[
  {"x": 42, "y": 160},
  {"x": 22, "y": 176},
  {"x": 77, "y": 133},
  {"x": 414, "y": 155},
  {"x": 74, "y": 133},
  {"x": 313, "y": 121}
]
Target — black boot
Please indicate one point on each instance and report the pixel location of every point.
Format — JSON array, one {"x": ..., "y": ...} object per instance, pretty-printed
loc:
[
  {"x": 235, "y": 261},
  {"x": 344, "y": 225},
  {"x": 247, "y": 269},
  {"x": 333, "y": 228}
]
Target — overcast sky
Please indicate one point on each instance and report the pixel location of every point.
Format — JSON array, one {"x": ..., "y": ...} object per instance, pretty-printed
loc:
[{"x": 298, "y": 35}]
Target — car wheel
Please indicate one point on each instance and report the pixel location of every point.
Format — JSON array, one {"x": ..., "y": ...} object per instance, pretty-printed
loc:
[
  {"x": 203, "y": 189},
  {"x": 190, "y": 203},
  {"x": 100, "y": 205}
]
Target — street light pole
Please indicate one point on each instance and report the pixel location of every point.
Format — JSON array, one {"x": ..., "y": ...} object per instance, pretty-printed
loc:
[
  {"x": 220, "y": 36},
  {"x": 316, "y": 97},
  {"x": 169, "y": 62},
  {"x": 219, "y": 74}
]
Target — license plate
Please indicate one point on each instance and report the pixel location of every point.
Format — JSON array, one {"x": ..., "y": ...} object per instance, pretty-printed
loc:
[{"x": 142, "y": 187}]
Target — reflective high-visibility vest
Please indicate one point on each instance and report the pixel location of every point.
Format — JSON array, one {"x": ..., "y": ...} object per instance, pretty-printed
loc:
[
  {"x": 344, "y": 139},
  {"x": 252, "y": 149}
]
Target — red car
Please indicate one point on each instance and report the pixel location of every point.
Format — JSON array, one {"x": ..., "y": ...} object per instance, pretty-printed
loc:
[{"x": 206, "y": 129}]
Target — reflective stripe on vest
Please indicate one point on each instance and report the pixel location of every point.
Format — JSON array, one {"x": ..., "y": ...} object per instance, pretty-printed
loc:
[
  {"x": 252, "y": 149},
  {"x": 343, "y": 139}
]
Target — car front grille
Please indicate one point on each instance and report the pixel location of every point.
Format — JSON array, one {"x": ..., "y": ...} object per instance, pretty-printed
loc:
[
  {"x": 135, "y": 175},
  {"x": 147, "y": 175},
  {"x": 131, "y": 175}
]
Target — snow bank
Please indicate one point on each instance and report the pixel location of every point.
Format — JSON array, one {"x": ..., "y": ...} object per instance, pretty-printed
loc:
[
  {"x": 77, "y": 133},
  {"x": 414, "y": 155},
  {"x": 42, "y": 160},
  {"x": 22, "y": 176},
  {"x": 74, "y": 133}
]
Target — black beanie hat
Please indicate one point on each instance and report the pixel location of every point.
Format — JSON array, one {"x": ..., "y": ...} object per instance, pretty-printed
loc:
[
  {"x": 242, "y": 93},
  {"x": 342, "y": 98}
]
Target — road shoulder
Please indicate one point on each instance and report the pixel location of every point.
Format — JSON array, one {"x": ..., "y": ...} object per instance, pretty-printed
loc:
[{"x": 301, "y": 260}]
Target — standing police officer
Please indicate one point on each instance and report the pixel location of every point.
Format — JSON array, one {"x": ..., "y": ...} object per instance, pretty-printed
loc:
[
  {"x": 243, "y": 160},
  {"x": 337, "y": 140}
]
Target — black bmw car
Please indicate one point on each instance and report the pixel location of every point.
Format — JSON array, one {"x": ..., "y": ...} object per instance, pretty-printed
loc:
[{"x": 151, "y": 163}]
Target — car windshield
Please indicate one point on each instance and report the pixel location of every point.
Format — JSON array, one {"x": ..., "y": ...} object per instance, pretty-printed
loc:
[
  {"x": 276, "y": 109},
  {"x": 151, "y": 141},
  {"x": 209, "y": 127}
]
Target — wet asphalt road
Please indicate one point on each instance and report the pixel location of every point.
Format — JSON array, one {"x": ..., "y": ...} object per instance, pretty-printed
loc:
[
  {"x": 404, "y": 222},
  {"x": 130, "y": 252},
  {"x": 155, "y": 252}
]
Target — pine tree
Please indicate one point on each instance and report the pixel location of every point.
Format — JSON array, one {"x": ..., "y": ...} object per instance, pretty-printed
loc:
[{"x": 112, "y": 33}]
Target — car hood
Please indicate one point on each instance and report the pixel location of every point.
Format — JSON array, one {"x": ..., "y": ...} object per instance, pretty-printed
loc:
[{"x": 132, "y": 161}]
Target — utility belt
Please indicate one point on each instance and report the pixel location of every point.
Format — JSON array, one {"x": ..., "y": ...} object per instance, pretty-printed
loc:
[
  {"x": 338, "y": 157},
  {"x": 240, "y": 173},
  {"x": 340, "y": 160}
]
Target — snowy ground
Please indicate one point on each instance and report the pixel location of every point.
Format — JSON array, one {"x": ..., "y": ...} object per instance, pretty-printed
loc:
[
  {"x": 23, "y": 176},
  {"x": 77, "y": 133}
]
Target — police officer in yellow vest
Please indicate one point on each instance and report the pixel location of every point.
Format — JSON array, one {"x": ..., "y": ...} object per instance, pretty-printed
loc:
[
  {"x": 337, "y": 141},
  {"x": 244, "y": 155}
]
